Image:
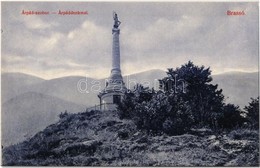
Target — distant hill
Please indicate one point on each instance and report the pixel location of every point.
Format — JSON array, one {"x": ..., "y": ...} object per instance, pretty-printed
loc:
[
  {"x": 238, "y": 87},
  {"x": 30, "y": 112},
  {"x": 146, "y": 78},
  {"x": 66, "y": 88},
  {"x": 14, "y": 84}
]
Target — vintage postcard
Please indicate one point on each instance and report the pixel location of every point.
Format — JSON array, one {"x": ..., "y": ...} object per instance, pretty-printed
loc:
[{"x": 129, "y": 83}]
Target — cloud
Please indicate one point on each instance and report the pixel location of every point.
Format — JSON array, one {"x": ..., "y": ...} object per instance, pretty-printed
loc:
[
  {"x": 213, "y": 39},
  {"x": 89, "y": 42},
  {"x": 162, "y": 33},
  {"x": 153, "y": 35},
  {"x": 34, "y": 22},
  {"x": 84, "y": 49}
]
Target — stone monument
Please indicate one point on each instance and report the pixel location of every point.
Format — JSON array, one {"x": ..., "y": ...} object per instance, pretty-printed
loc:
[{"x": 115, "y": 88}]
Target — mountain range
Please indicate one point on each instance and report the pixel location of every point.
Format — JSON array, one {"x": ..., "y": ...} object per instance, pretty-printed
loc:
[{"x": 31, "y": 103}]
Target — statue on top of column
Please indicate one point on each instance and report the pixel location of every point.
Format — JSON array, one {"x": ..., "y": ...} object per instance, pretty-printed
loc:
[{"x": 117, "y": 22}]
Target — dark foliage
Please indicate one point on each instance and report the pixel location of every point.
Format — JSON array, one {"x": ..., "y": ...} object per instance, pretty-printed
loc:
[
  {"x": 180, "y": 118},
  {"x": 205, "y": 99},
  {"x": 163, "y": 113},
  {"x": 252, "y": 113},
  {"x": 187, "y": 100},
  {"x": 231, "y": 117},
  {"x": 63, "y": 115},
  {"x": 126, "y": 107},
  {"x": 132, "y": 98}
]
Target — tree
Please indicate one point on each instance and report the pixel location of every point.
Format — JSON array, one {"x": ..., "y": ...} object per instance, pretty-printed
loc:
[
  {"x": 63, "y": 115},
  {"x": 179, "y": 118},
  {"x": 231, "y": 117},
  {"x": 127, "y": 105},
  {"x": 188, "y": 100},
  {"x": 203, "y": 97},
  {"x": 252, "y": 113},
  {"x": 131, "y": 99},
  {"x": 143, "y": 94},
  {"x": 156, "y": 112}
]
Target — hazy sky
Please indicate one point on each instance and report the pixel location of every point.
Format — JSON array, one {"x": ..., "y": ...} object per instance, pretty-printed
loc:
[{"x": 153, "y": 36}]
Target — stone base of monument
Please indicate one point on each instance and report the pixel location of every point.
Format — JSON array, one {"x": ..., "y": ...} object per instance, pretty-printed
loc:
[{"x": 110, "y": 101}]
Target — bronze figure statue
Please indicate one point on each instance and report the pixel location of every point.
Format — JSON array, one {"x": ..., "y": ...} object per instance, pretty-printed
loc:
[{"x": 117, "y": 22}]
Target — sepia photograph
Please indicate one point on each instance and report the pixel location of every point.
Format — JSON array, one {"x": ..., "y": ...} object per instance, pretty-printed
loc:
[{"x": 130, "y": 83}]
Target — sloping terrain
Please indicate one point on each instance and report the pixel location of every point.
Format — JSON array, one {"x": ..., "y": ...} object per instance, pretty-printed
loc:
[
  {"x": 28, "y": 113},
  {"x": 66, "y": 88},
  {"x": 14, "y": 84},
  {"x": 147, "y": 78},
  {"x": 238, "y": 87},
  {"x": 101, "y": 139}
]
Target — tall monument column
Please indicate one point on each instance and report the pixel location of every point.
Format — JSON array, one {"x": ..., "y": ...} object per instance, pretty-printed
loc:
[
  {"x": 115, "y": 87},
  {"x": 116, "y": 50},
  {"x": 116, "y": 71}
]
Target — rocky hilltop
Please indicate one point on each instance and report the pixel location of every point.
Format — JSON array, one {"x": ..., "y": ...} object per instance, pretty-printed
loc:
[{"x": 101, "y": 139}]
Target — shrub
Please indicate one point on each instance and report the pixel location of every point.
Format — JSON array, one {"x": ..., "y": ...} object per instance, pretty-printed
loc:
[
  {"x": 187, "y": 100},
  {"x": 240, "y": 134},
  {"x": 126, "y": 107},
  {"x": 205, "y": 100},
  {"x": 231, "y": 117},
  {"x": 252, "y": 113},
  {"x": 162, "y": 113},
  {"x": 63, "y": 115}
]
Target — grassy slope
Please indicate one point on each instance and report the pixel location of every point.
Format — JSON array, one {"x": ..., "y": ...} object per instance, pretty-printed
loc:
[{"x": 102, "y": 139}]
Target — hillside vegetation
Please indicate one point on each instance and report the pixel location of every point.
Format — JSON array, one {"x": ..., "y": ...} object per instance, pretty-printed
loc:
[
  {"x": 101, "y": 139},
  {"x": 185, "y": 123}
]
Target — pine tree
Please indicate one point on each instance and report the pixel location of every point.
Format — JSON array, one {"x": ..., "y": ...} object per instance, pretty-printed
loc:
[
  {"x": 205, "y": 99},
  {"x": 252, "y": 112}
]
